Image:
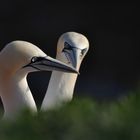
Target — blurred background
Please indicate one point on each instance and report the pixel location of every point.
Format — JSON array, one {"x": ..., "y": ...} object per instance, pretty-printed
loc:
[{"x": 110, "y": 69}]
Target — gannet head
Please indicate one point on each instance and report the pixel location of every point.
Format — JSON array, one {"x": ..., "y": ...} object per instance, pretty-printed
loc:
[
  {"x": 71, "y": 48},
  {"x": 22, "y": 55}
]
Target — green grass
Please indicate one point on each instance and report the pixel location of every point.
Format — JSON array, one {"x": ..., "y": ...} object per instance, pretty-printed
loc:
[{"x": 82, "y": 119}]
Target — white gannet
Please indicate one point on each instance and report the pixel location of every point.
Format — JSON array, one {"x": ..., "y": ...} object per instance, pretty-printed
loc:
[
  {"x": 71, "y": 49},
  {"x": 17, "y": 59}
]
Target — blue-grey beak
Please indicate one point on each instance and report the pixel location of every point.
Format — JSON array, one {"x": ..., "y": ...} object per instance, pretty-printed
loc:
[
  {"x": 49, "y": 64},
  {"x": 73, "y": 56}
]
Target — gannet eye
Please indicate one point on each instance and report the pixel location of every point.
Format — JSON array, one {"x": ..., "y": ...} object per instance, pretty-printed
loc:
[
  {"x": 34, "y": 59},
  {"x": 67, "y": 46},
  {"x": 83, "y": 51}
]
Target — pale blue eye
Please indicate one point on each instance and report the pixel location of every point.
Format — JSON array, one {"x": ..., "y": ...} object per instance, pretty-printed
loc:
[{"x": 34, "y": 59}]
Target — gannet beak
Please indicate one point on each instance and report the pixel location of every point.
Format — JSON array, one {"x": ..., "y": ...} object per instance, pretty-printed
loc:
[
  {"x": 49, "y": 64},
  {"x": 74, "y": 58}
]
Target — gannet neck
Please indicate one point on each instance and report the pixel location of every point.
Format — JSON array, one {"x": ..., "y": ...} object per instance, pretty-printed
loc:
[
  {"x": 16, "y": 95},
  {"x": 60, "y": 89},
  {"x": 71, "y": 49}
]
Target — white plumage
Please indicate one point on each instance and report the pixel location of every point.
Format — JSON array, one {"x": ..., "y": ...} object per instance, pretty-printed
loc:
[
  {"x": 17, "y": 59},
  {"x": 71, "y": 49}
]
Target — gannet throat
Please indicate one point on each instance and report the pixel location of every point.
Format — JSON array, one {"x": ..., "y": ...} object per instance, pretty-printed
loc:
[
  {"x": 71, "y": 49},
  {"x": 17, "y": 59}
]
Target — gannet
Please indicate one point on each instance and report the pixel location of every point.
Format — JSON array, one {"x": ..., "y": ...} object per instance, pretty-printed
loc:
[
  {"x": 17, "y": 59},
  {"x": 71, "y": 49}
]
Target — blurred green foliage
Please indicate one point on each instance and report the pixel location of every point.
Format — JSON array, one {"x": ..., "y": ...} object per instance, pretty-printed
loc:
[{"x": 82, "y": 119}]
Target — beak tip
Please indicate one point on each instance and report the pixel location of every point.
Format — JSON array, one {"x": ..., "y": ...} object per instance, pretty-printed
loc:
[{"x": 77, "y": 72}]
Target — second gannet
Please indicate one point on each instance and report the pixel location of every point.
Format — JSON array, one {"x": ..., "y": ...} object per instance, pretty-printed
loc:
[{"x": 71, "y": 49}]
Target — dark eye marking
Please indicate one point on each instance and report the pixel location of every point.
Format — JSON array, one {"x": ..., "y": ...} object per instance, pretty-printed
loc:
[
  {"x": 36, "y": 59},
  {"x": 67, "y": 46},
  {"x": 83, "y": 51}
]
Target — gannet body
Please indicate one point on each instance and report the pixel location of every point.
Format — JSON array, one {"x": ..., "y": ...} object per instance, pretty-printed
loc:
[
  {"x": 17, "y": 59},
  {"x": 71, "y": 49}
]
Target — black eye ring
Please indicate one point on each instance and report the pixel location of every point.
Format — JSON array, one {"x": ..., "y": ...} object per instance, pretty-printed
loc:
[
  {"x": 67, "y": 46},
  {"x": 83, "y": 51},
  {"x": 34, "y": 59}
]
